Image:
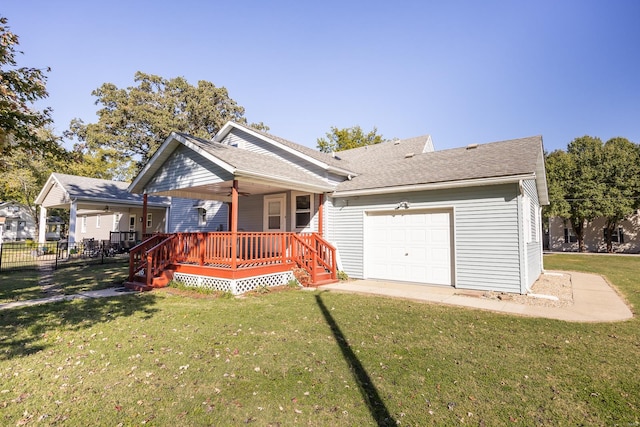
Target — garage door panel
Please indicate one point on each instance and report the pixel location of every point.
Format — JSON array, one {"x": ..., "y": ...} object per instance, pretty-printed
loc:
[{"x": 414, "y": 247}]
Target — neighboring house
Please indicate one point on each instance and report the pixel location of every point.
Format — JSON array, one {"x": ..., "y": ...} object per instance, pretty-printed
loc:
[
  {"x": 101, "y": 209},
  {"x": 626, "y": 239},
  {"x": 466, "y": 217},
  {"x": 16, "y": 222}
]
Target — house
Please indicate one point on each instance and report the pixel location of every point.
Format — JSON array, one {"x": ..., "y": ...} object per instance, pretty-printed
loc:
[
  {"x": 101, "y": 210},
  {"x": 626, "y": 239},
  {"x": 16, "y": 222},
  {"x": 466, "y": 217}
]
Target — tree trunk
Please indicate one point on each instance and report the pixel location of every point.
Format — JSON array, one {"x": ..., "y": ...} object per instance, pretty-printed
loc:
[{"x": 578, "y": 229}]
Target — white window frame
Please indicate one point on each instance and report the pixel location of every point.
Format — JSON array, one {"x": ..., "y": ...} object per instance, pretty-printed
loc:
[
  {"x": 83, "y": 224},
  {"x": 571, "y": 236},
  {"x": 202, "y": 216},
  {"x": 97, "y": 220},
  {"x": 149, "y": 219},
  {"x": 295, "y": 211}
]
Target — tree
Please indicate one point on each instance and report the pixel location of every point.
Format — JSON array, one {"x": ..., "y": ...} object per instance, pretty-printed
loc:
[
  {"x": 347, "y": 138},
  {"x": 576, "y": 186},
  {"x": 20, "y": 87},
  {"x": 621, "y": 175},
  {"x": 133, "y": 122}
]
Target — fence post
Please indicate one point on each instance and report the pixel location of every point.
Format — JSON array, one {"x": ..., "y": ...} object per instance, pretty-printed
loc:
[
  {"x": 57, "y": 254},
  {"x": 0, "y": 254}
]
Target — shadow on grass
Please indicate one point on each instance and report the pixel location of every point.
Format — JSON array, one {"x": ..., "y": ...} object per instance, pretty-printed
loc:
[
  {"x": 376, "y": 406},
  {"x": 23, "y": 331}
]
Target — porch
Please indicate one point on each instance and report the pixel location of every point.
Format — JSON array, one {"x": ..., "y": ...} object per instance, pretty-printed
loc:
[{"x": 235, "y": 262}]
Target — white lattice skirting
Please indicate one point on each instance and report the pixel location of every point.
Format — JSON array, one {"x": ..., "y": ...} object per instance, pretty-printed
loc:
[{"x": 235, "y": 286}]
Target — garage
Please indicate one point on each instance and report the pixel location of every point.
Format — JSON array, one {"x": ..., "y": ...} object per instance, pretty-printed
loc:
[{"x": 410, "y": 246}]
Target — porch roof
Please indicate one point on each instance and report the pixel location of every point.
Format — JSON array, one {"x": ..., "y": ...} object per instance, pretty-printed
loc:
[
  {"x": 255, "y": 172},
  {"x": 92, "y": 191}
]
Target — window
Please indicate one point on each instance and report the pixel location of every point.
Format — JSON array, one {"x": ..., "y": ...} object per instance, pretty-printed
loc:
[
  {"x": 527, "y": 218},
  {"x": 202, "y": 216},
  {"x": 116, "y": 221},
  {"x": 8, "y": 225},
  {"x": 569, "y": 236},
  {"x": 616, "y": 237},
  {"x": 149, "y": 220},
  {"x": 98, "y": 221},
  {"x": 302, "y": 211},
  {"x": 83, "y": 224}
]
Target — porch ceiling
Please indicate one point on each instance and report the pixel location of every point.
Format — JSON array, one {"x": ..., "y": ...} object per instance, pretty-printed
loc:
[{"x": 222, "y": 191}]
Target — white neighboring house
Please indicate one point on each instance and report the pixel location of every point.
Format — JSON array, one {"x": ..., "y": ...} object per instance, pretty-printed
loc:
[
  {"x": 16, "y": 222},
  {"x": 98, "y": 208}
]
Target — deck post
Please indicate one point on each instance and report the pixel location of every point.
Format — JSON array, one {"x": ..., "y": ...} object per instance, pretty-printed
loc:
[
  {"x": 320, "y": 213},
  {"x": 234, "y": 225},
  {"x": 144, "y": 215}
]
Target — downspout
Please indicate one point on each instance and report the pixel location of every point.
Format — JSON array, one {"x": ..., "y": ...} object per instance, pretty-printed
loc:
[{"x": 522, "y": 244}]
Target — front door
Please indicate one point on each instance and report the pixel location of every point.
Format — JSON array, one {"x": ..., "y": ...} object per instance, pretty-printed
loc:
[
  {"x": 274, "y": 213},
  {"x": 274, "y": 222},
  {"x": 132, "y": 227}
]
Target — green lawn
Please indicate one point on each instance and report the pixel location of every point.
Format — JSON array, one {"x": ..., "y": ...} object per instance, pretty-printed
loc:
[
  {"x": 317, "y": 358},
  {"x": 71, "y": 278}
]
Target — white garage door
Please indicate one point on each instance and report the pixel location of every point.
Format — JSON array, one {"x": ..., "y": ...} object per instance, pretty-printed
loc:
[{"x": 411, "y": 247}]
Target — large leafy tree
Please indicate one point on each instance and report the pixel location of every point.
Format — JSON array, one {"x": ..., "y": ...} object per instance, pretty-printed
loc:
[
  {"x": 20, "y": 88},
  {"x": 347, "y": 138},
  {"x": 621, "y": 176},
  {"x": 133, "y": 122},
  {"x": 576, "y": 186}
]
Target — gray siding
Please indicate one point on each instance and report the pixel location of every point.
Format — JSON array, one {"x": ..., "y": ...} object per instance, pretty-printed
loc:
[
  {"x": 186, "y": 169},
  {"x": 184, "y": 217},
  {"x": 534, "y": 247},
  {"x": 486, "y": 230}
]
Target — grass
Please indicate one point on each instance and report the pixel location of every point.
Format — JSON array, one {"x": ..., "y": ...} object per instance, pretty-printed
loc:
[
  {"x": 70, "y": 279},
  {"x": 317, "y": 358}
]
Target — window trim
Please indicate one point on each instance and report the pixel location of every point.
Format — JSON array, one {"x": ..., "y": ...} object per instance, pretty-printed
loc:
[
  {"x": 569, "y": 235},
  {"x": 282, "y": 198},
  {"x": 149, "y": 219},
  {"x": 83, "y": 223},
  {"x": 98, "y": 221},
  {"x": 295, "y": 211},
  {"x": 202, "y": 216}
]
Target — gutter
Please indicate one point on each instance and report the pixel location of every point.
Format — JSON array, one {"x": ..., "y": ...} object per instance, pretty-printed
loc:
[
  {"x": 261, "y": 178},
  {"x": 435, "y": 186}
]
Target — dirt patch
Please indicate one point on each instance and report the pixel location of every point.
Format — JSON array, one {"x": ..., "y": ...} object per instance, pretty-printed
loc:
[{"x": 550, "y": 290}]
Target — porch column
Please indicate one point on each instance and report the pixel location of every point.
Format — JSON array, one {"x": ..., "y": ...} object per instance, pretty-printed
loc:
[
  {"x": 144, "y": 215},
  {"x": 234, "y": 224},
  {"x": 42, "y": 226},
  {"x": 73, "y": 213},
  {"x": 321, "y": 214}
]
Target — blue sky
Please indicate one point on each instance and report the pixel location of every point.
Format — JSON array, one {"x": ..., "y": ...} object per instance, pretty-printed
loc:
[{"x": 463, "y": 71}]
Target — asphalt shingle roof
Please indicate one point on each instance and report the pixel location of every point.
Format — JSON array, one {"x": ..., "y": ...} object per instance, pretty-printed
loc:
[
  {"x": 84, "y": 188},
  {"x": 496, "y": 159},
  {"x": 246, "y": 160}
]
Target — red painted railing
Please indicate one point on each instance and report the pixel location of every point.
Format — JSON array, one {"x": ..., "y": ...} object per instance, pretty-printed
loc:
[{"x": 224, "y": 251}]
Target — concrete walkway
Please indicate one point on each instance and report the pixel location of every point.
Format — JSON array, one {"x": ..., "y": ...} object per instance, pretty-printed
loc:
[{"x": 593, "y": 299}]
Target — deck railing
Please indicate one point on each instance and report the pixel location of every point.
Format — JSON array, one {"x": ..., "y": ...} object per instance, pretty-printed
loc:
[{"x": 226, "y": 250}]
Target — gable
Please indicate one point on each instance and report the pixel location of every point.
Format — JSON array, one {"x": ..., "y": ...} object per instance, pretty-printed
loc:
[
  {"x": 186, "y": 169},
  {"x": 245, "y": 141}
]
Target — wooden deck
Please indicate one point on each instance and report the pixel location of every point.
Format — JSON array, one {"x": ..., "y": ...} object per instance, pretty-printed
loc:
[{"x": 228, "y": 255}]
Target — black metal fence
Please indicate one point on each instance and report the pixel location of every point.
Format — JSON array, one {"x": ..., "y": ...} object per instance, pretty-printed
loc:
[{"x": 32, "y": 255}]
